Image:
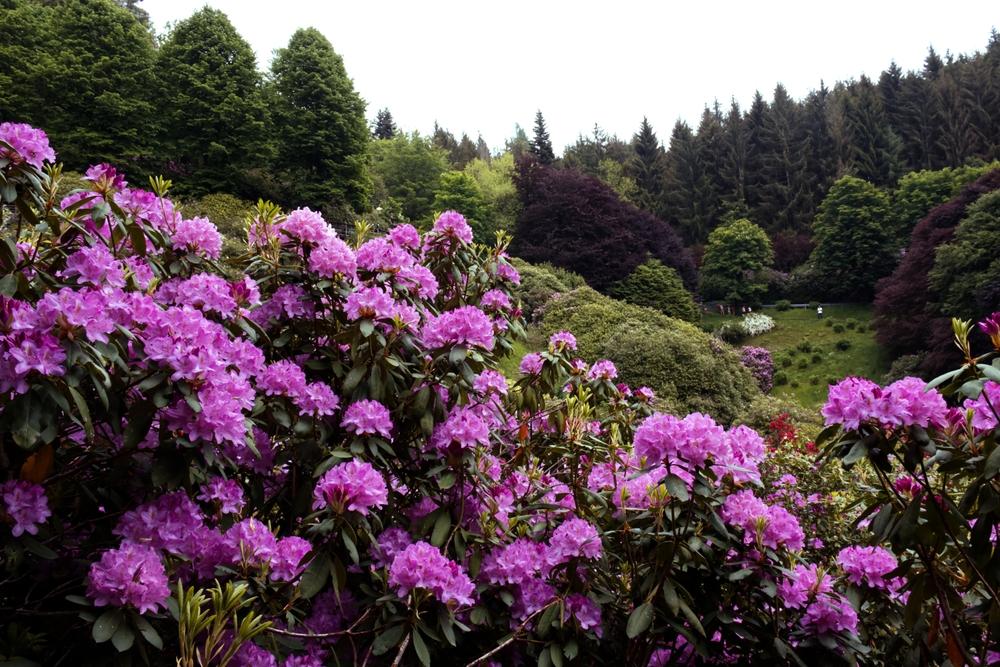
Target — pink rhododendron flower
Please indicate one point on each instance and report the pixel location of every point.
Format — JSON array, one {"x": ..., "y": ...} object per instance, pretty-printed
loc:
[
  {"x": 575, "y": 538},
  {"x": 308, "y": 227},
  {"x": 452, "y": 224},
  {"x": 332, "y": 259},
  {"x": 95, "y": 265},
  {"x": 166, "y": 523},
  {"x": 353, "y": 486},
  {"x": 369, "y": 302},
  {"x": 422, "y": 566},
  {"x": 405, "y": 236},
  {"x": 516, "y": 563},
  {"x": 586, "y": 612},
  {"x": 287, "y": 562},
  {"x": 317, "y": 400},
  {"x": 131, "y": 575},
  {"x": 532, "y": 363},
  {"x": 227, "y": 492},
  {"x": 867, "y": 565},
  {"x": 461, "y": 431},
  {"x": 603, "y": 370},
  {"x": 563, "y": 340},
  {"x": 284, "y": 378},
  {"x": 367, "y": 417},
  {"x": 388, "y": 545},
  {"x": 198, "y": 236},
  {"x": 26, "y": 504},
  {"x": 495, "y": 300},
  {"x": 27, "y": 144},
  {"x": 466, "y": 325}
]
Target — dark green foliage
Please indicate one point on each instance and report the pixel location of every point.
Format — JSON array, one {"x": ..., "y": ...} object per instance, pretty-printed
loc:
[
  {"x": 966, "y": 274},
  {"x": 816, "y": 357},
  {"x": 919, "y": 192},
  {"x": 410, "y": 167},
  {"x": 458, "y": 191},
  {"x": 730, "y": 332},
  {"x": 683, "y": 365},
  {"x": 659, "y": 287},
  {"x": 539, "y": 283},
  {"x": 851, "y": 323},
  {"x": 838, "y": 328},
  {"x": 691, "y": 200},
  {"x": 783, "y": 305},
  {"x": 83, "y": 72},
  {"x": 589, "y": 152},
  {"x": 803, "y": 363},
  {"x": 862, "y": 327},
  {"x": 804, "y": 346},
  {"x": 579, "y": 223},
  {"x": 828, "y": 322},
  {"x": 842, "y": 344},
  {"x": 851, "y": 252},
  {"x": 875, "y": 146},
  {"x": 814, "y": 379},
  {"x": 320, "y": 119},
  {"x": 385, "y": 127},
  {"x": 646, "y": 168},
  {"x": 735, "y": 258},
  {"x": 228, "y": 213},
  {"x": 813, "y": 305},
  {"x": 216, "y": 122},
  {"x": 785, "y": 362},
  {"x": 903, "y": 320},
  {"x": 541, "y": 144},
  {"x": 779, "y": 379}
]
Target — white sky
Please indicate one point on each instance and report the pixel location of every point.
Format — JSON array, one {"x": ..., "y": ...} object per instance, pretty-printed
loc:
[{"x": 482, "y": 67}]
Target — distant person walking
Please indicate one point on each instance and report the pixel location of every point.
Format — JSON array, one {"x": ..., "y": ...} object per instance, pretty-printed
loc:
[{"x": 819, "y": 312}]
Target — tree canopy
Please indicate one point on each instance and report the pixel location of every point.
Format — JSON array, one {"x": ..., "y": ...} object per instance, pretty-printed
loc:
[{"x": 734, "y": 257}]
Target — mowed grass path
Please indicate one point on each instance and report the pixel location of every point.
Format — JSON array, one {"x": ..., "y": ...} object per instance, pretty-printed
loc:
[{"x": 863, "y": 359}]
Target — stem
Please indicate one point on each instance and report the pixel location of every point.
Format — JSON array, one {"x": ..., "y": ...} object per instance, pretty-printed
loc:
[
  {"x": 510, "y": 640},
  {"x": 946, "y": 610}
]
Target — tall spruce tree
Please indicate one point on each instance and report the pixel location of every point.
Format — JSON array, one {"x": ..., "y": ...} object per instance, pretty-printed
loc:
[
  {"x": 216, "y": 121},
  {"x": 82, "y": 71},
  {"x": 385, "y": 127},
  {"x": 733, "y": 168},
  {"x": 541, "y": 144},
  {"x": 688, "y": 189},
  {"x": 981, "y": 98},
  {"x": 464, "y": 153},
  {"x": 784, "y": 200},
  {"x": 321, "y": 122},
  {"x": 646, "y": 168},
  {"x": 875, "y": 147}
]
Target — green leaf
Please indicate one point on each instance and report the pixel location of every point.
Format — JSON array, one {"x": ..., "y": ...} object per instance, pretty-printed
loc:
[
  {"x": 677, "y": 488},
  {"x": 138, "y": 239},
  {"x": 421, "y": 648},
  {"x": 353, "y": 379},
  {"x": 670, "y": 597},
  {"x": 106, "y": 626},
  {"x": 992, "y": 466},
  {"x": 124, "y": 637},
  {"x": 149, "y": 633},
  {"x": 457, "y": 355},
  {"x": 388, "y": 639},
  {"x": 8, "y": 285},
  {"x": 81, "y": 405},
  {"x": 446, "y": 480},
  {"x": 544, "y": 659},
  {"x": 990, "y": 372},
  {"x": 441, "y": 529},
  {"x": 546, "y": 621},
  {"x": 941, "y": 379},
  {"x": 639, "y": 620},
  {"x": 367, "y": 327},
  {"x": 314, "y": 577},
  {"x": 37, "y": 548},
  {"x": 908, "y": 524},
  {"x": 557, "y": 657}
]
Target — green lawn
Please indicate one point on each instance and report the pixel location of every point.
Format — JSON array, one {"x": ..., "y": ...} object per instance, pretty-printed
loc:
[
  {"x": 511, "y": 364},
  {"x": 864, "y": 358}
]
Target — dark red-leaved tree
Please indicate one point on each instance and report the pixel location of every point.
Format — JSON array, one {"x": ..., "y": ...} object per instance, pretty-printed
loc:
[
  {"x": 791, "y": 250},
  {"x": 905, "y": 324},
  {"x": 579, "y": 223}
]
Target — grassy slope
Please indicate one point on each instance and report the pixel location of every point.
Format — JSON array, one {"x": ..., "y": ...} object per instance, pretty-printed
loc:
[{"x": 863, "y": 359}]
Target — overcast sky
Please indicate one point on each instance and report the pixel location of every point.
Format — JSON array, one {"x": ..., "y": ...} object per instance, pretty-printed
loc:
[{"x": 481, "y": 67}]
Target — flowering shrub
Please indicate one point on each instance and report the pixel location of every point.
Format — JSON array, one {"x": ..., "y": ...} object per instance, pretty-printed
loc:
[
  {"x": 756, "y": 324},
  {"x": 317, "y": 462},
  {"x": 758, "y": 361}
]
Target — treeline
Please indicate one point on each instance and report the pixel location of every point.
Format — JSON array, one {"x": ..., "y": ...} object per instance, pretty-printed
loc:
[
  {"x": 776, "y": 160},
  {"x": 190, "y": 104}
]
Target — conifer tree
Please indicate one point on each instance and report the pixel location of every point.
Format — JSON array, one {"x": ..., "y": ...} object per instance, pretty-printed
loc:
[
  {"x": 784, "y": 201},
  {"x": 917, "y": 121},
  {"x": 756, "y": 146},
  {"x": 321, "y": 122},
  {"x": 646, "y": 168},
  {"x": 541, "y": 144},
  {"x": 385, "y": 128},
  {"x": 444, "y": 139},
  {"x": 483, "y": 150},
  {"x": 464, "y": 153},
  {"x": 823, "y": 165},
  {"x": 875, "y": 147},
  {"x": 981, "y": 98},
  {"x": 688, "y": 189},
  {"x": 216, "y": 121},
  {"x": 733, "y": 169}
]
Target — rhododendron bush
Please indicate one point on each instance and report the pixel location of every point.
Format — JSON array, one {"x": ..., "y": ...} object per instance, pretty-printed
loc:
[{"x": 317, "y": 463}]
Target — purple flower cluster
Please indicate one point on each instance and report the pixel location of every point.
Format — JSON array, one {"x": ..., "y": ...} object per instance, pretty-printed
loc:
[
  {"x": 462, "y": 431},
  {"x": 226, "y": 492},
  {"x": 758, "y": 361},
  {"x": 198, "y": 236},
  {"x": 825, "y": 612},
  {"x": 466, "y": 325},
  {"x": 27, "y": 144},
  {"x": 26, "y": 505},
  {"x": 771, "y": 525},
  {"x": 867, "y": 565},
  {"x": 354, "y": 486},
  {"x": 131, "y": 575},
  {"x": 422, "y": 566},
  {"x": 903, "y": 403},
  {"x": 452, "y": 224},
  {"x": 367, "y": 417}
]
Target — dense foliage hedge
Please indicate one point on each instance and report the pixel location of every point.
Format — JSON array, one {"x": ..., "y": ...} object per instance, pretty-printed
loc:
[
  {"x": 685, "y": 366},
  {"x": 659, "y": 287}
]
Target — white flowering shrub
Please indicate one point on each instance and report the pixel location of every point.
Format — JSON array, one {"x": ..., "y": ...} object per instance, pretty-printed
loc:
[{"x": 756, "y": 324}]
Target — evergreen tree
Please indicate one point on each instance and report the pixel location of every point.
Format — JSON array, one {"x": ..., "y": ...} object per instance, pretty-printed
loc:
[
  {"x": 733, "y": 168},
  {"x": 917, "y": 121},
  {"x": 464, "y": 153},
  {"x": 953, "y": 119},
  {"x": 712, "y": 147},
  {"x": 981, "y": 98},
  {"x": 483, "y": 150},
  {"x": 444, "y": 139},
  {"x": 83, "y": 72},
  {"x": 646, "y": 168},
  {"x": 321, "y": 122},
  {"x": 216, "y": 120},
  {"x": 875, "y": 147},
  {"x": 784, "y": 200},
  {"x": 754, "y": 181},
  {"x": 385, "y": 128},
  {"x": 541, "y": 144},
  {"x": 688, "y": 189},
  {"x": 518, "y": 144},
  {"x": 656, "y": 286},
  {"x": 823, "y": 164}
]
